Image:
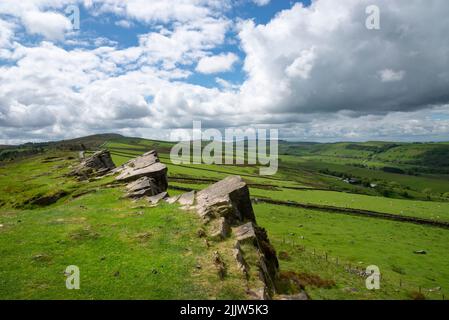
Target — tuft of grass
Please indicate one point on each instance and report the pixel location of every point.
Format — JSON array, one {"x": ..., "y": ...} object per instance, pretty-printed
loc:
[{"x": 83, "y": 234}]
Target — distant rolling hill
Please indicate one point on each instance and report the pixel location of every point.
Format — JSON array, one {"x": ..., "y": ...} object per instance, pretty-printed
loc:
[{"x": 431, "y": 155}]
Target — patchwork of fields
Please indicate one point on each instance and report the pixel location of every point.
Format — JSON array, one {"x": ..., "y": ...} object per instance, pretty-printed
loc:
[
  {"x": 91, "y": 224},
  {"x": 353, "y": 240}
]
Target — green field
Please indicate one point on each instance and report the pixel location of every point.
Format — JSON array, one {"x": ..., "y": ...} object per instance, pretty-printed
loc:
[{"x": 129, "y": 250}]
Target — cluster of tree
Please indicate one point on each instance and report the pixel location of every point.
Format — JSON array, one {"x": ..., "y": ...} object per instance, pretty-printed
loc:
[{"x": 389, "y": 189}]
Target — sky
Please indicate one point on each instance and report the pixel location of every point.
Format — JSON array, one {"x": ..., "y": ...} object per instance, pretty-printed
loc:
[{"x": 311, "y": 69}]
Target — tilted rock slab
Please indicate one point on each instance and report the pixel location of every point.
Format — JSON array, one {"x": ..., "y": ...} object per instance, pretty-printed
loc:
[
  {"x": 146, "y": 174},
  {"x": 227, "y": 198},
  {"x": 144, "y": 186},
  {"x": 99, "y": 163},
  {"x": 227, "y": 204},
  {"x": 154, "y": 200}
]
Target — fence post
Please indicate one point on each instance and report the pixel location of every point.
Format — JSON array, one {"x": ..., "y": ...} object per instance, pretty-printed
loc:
[{"x": 326, "y": 256}]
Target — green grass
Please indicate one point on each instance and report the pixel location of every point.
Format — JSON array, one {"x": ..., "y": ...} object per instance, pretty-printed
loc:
[
  {"x": 361, "y": 242},
  {"x": 438, "y": 211},
  {"x": 122, "y": 253},
  {"x": 124, "y": 250}
]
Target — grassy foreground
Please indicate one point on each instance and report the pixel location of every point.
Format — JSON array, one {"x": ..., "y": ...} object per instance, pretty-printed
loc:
[{"x": 124, "y": 250}]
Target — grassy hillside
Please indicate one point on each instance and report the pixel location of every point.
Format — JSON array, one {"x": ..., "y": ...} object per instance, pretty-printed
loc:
[
  {"x": 130, "y": 250},
  {"x": 125, "y": 250}
]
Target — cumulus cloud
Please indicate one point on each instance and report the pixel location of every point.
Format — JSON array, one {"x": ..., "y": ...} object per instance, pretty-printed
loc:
[
  {"x": 302, "y": 66},
  {"x": 162, "y": 10},
  {"x": 6, "y": 33},
  {"x": 216, "y": 64},
  {"x": 186, "y": 44},
  {"x": 335, "y": 60},
  {"x": 51, "y": 25}
]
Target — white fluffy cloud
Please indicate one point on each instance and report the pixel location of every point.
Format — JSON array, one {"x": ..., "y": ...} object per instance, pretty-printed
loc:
[
  {"x": 216, "y": 64},
  {"x": 51, "y": 25},
  {"x": 6, "y": 33},
  {"x": 162, "y": 10}
]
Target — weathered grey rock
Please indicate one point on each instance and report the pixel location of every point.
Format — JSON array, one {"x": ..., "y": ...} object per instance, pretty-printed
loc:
[
  {"x": 142, "y": 183},
  {"x": 141, "y": 193},
  {"x": 144, "y": 186},
  {"x": 154, "y": 170},
  {"x": 220, "y": 229},
  {"x": 216, "y": 208},
  {"x": 268, "y": 265},
  {"x": 259, "y": 294},
  {"x": 227, "y": 203},
  {"x": 245, "y": 232},
  {"x": 146, "y": 171},
  {"x": 172, "y": 200},
  {"x": 99, "y": 163},
  {"x": 238, "y": 256},
  {"x": 147, "y": 165},
  {"x": 157, "y": 198},
  {"x": 229, "y": 198},
  {"x": 187, "y": 199},
  {"x": 100, "y": 160}
]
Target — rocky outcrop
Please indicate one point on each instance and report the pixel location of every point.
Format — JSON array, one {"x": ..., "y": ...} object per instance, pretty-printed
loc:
[
  {"x": 226, "y": 209},
  {"x": 157, "y": 198},
  {"x": 147, "y": 165},
  {"x": 144, "y": 186},
  {"x": 228, "y": 198},
  {"x": 230, "y": 225},
  {"x": 98, "y": 164},
  {"x": 146, "y": 176}
]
